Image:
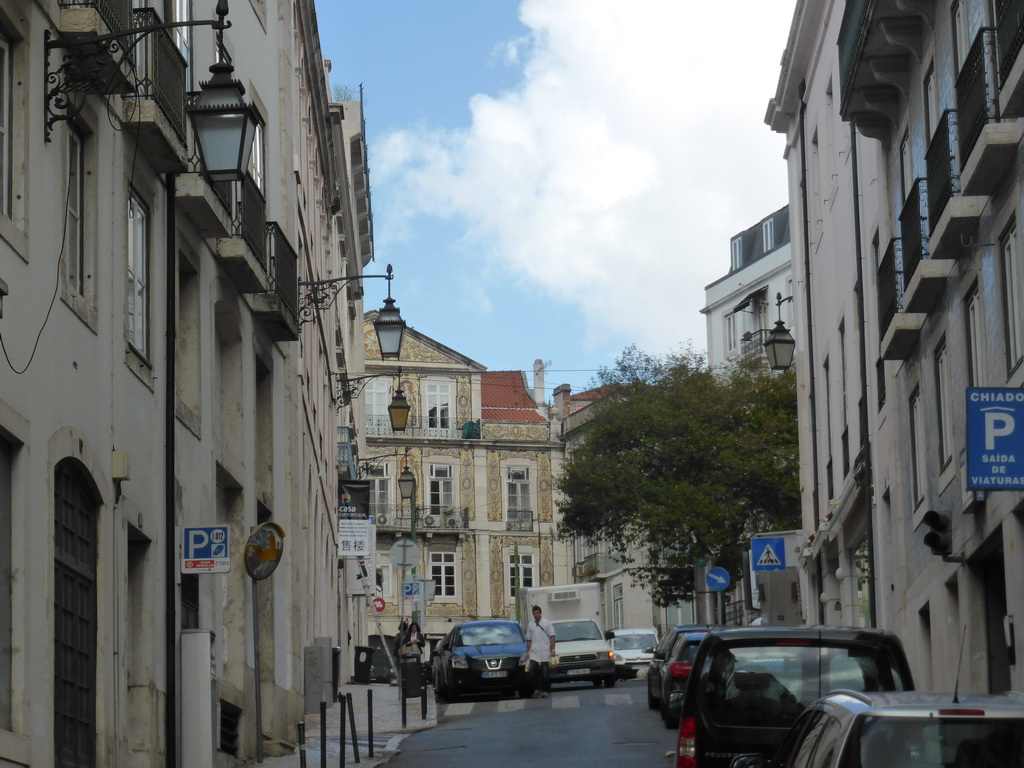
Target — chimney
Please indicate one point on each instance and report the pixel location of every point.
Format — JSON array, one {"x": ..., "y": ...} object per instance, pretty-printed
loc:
[
  {"x": 538, "y": 382},
  {"x": 562, "y": 393}
]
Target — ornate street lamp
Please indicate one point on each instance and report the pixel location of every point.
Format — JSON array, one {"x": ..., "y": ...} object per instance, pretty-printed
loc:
[{"x": 780, "y": 346}]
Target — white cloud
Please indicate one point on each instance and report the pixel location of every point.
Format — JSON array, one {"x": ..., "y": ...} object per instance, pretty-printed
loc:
[{"x": 614, "y": 175}]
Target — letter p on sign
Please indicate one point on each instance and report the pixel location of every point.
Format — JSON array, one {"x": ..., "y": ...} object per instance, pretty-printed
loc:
[{"x": 997, "y": 424}]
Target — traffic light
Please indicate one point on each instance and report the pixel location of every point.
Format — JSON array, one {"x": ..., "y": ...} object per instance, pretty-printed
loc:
[{"x": 938, "y": 539}]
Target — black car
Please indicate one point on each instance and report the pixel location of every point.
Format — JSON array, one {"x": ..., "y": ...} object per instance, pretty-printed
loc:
[
  {"x": 674, "y": 674},
  {"x": 749, "y": 685},
  {"x": 654, "y": 670},
  {"x": 480, "y": 657}
]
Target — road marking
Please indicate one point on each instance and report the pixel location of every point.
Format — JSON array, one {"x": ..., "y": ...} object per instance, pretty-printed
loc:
[
  {"x": 511, "y": 705},
  {"x": 463, "y": 708},
  {"x": 564, "y": 702},
  {"x": 617, "y": 699}
]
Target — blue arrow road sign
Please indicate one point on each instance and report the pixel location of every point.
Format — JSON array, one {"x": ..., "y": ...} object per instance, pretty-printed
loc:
[
  {"x": 768, "y": 553},
  {"x": 717, "y": 579}
]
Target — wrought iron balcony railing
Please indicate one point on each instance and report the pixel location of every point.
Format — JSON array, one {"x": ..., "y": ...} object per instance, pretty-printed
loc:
[
  {"x": 115, "y": 13},
  {"x": 1009, "y": 16},
  {"x": 752, "y": 344},
  {"x": 914, "y": 228},
  {"x": 889, "y": 279},
  {"x": 977, "y": 92},
  {"x": 943, "y": 180},
  {"x": 160, "y": 69},
  {"x": 284, "y": 268},
  {"x": 519, "y": 520}
]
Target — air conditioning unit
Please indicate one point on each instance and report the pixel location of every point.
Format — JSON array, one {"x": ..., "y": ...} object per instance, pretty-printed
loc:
[
  {"x": 565, "y": 594},
  {"x": 451, "y": 521},
  {"x": 380, "y": 519},
  {"x": 581, "y": 570},
  {"x": 430, "y": 521}
]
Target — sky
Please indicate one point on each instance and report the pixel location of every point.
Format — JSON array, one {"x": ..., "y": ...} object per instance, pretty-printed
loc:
[{"x": 560, "y": 179}]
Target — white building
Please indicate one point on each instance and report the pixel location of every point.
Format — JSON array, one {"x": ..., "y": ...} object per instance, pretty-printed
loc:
[
  {"x": 154, "y": 379},
  {"x": 742, "y": 306},
  {"x": 902, "y": 126}
]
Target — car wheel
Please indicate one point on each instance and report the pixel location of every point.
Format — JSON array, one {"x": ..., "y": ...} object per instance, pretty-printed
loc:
[
  {"x": 609, "y": 681},
  {"x": 652, "y": 703},
  {"x": 667, "y": 719}
]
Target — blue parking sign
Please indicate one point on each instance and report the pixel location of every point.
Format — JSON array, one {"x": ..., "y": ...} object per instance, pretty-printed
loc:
[
  {"x": 205, "y": 550},
  {"x": 995, "y": 439}
]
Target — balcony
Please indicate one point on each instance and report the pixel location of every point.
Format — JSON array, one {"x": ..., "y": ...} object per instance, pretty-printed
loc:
[
  {"x": 243, "y": 255},
  {"x": 924, "y": 278},
  {"x": 951, "y": 217},
  {"x": 877, "y": 39},
  {"x": 380, "y": 426},
  {"x": 205, "y": 204},
  {"x": 898, "y": 330},
  {"x": 444, "y": 520},
  {"x": 1009, "y": 16},
  {"x": 277, "y": 310},
  {"x": 752, "y": 344},
  {"x": 93, "y": 17},
  {"x": 390, "y": 518},
  {"x": 156, "y": 112},
  {"x": 519, "y": 520}
]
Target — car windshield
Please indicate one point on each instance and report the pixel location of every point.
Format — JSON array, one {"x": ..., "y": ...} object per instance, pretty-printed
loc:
[
  {"x": 492, "y": 634},
  {"x": 633, "y": 642},
  {"x": 968, "y": 742},
  {"x": 769, "y": 685},
  {"x": 567, "y": 631}
]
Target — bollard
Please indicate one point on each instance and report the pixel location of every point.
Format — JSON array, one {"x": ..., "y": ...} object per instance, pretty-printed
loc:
[
  {"x": 323, "y": 734},
  {"x": 341, "y": 736},
  {"x": 369, "y": 720},
  {"x": 302, "y": 744},
  {"x": 352, "y": 723},
  {"x": 423, "y": 697}
]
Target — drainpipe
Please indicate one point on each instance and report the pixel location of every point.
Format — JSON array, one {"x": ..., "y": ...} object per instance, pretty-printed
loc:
[
  {"x": 170, "y": 529},
  {"x": 865, "y": 440},
  {"x": 809, "y": 330}
]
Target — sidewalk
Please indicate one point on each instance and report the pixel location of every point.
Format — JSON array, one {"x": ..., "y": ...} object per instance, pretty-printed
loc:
[{"x": 387, "y": 728}]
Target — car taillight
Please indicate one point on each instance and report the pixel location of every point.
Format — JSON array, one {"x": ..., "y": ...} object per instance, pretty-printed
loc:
[
  {"x": 680, "y": 668},
  {"x": 686, "y": 751}
]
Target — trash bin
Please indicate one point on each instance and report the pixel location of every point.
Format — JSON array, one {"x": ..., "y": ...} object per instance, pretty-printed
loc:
[
  {"x": 363, "y": 663},
  {"x": 412, "y": 675}
]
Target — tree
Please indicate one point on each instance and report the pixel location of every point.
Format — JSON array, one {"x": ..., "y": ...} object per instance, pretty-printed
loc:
[{"x": 679, "y": 462}]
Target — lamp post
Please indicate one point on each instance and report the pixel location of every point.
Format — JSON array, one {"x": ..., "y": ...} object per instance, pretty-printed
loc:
[
  {"x": 407, "y": 490},
  {"x": 780, "y": 346}
]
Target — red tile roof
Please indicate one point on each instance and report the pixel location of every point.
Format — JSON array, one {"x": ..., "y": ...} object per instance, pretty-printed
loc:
[{"x": 504, "y": 397}]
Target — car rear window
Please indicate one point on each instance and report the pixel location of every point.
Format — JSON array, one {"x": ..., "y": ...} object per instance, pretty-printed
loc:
[
  {"x": 633, "y": 642},
  {"x": 971, "y": 742},
  {"x": 769, "y": 686}
]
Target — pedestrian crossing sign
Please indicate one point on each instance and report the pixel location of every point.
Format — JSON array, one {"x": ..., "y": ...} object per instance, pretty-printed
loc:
[{"x": 768, "y": 553}]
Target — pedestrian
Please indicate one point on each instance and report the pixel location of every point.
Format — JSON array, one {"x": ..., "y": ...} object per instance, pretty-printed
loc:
[
  {"x": 414, "y": 640},
  {"x": 399, "y": 640},
  {"x": 540, "y": 650}
]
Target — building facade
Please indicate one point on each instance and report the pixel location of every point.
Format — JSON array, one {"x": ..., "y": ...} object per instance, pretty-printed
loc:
[
  {"x": 155, "y": 380},
  {"x": 482, "y": 449},
  {"x": 902, "y": 125}
]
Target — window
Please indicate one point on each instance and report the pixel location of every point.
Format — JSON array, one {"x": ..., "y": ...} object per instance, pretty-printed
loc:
[
  {"x": 517, "y": 486},
  {"x": 438, "y": 406},
  {"x": 6, "y": 132},
  {"x": 906, "y": 167},
  {"x": 375, "y": 400},
  {"x": 380, "y": 485},
  {"x": 768, "y": 234},
  {"x": 917, "y": 437},
  {"x": 6, "y": 624},
  {"x": 138, "y": 274},
  {"x": 1012, "y": 297},
  {"x": 256, "y": 160},
  {"x": 931, "y": 103},
  {"x": 525, "y": 563},
  {"x": 737, "y": 253},
  {"x": 731, "y": 336},
  {"x": 441, "y": 488},
  {"x": 74, "y": 234},
  {"x": 618, "y": 615},
  {"x": 442, "y": 570},
  {"x": 183, "y": 35},
  {"x": 383, "y": 569},
  {"x": 943, "y": 403},
  {"x": 961, "y": 35},
  {"x": 975, "y": 336}
]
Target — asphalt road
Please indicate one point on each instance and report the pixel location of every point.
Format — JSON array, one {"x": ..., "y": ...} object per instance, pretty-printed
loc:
[{"x": 578, "y": 726}]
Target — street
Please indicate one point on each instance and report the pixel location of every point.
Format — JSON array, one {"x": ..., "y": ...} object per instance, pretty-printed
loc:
[{"x": 578, "y": 726}]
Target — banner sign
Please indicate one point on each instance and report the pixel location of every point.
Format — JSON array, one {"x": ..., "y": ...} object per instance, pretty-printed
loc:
[{"x": 354, "y": 519}]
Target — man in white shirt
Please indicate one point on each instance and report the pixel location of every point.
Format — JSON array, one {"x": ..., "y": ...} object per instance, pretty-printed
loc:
[{"x": 540, "y": 647}]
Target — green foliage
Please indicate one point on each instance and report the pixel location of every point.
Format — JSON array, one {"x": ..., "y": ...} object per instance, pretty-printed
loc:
[{"x": 679, "y": 463}]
